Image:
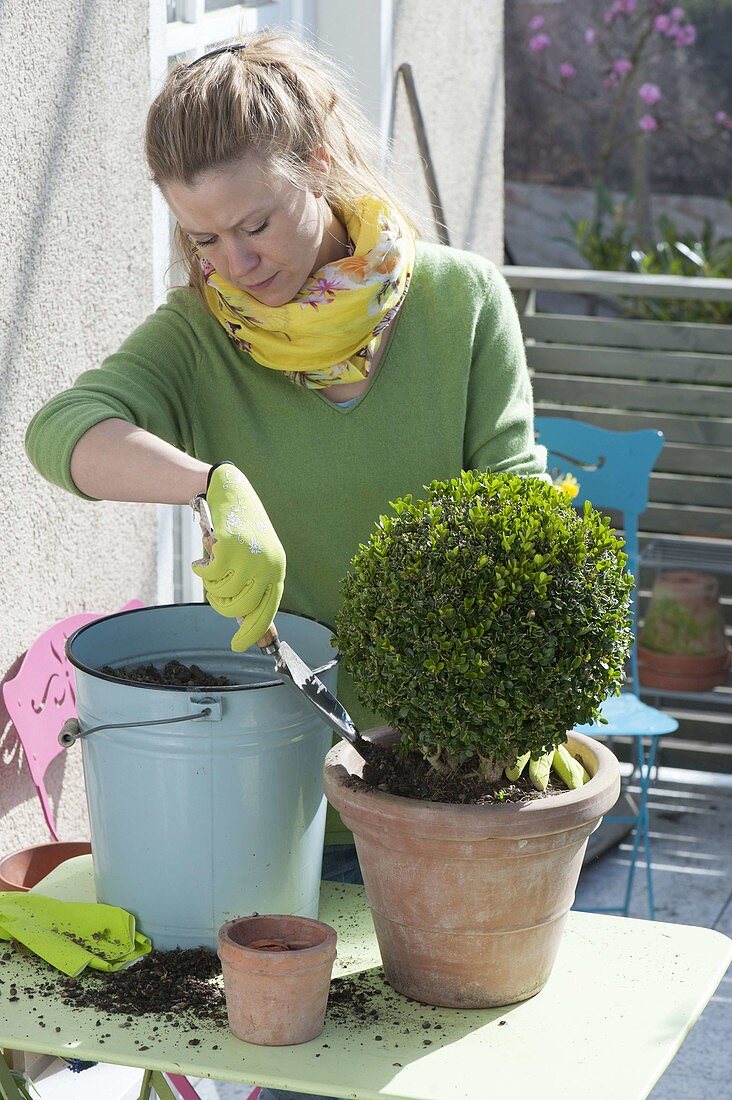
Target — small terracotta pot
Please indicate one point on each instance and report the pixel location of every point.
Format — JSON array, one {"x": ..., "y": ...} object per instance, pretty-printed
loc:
[
  {"x": 276, "y": 998},
  {"x": 469, "y": 902},
  {"x": 26, "y": 868},
  {"x": 682, "y": 645}
]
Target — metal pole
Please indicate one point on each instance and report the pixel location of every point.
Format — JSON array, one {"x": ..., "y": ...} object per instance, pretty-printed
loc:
[{"x": 438, "y": 213}]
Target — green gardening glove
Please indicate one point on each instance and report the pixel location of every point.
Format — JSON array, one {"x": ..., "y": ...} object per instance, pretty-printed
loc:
[
  {"x": 72, "y": 935},
  {"x": 244, "y": 573}
]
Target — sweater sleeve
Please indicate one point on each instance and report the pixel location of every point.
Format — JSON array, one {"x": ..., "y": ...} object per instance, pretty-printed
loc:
[
  {"x": 152, "y": 382},
  {"x": 499, "y": 428}
]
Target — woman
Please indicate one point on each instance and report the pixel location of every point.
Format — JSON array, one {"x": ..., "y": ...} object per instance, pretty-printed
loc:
[
  {"x": 407, "y": 358},
  {"x": 321, "y": 361}
]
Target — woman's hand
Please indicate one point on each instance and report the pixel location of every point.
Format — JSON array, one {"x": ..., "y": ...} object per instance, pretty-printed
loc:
[{"x": 244, "y": 575}]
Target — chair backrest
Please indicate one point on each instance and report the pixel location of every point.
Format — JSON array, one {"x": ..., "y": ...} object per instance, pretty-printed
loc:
[
  {"x": 41, "y": 697},
  {"x": 613, "y": 470}
]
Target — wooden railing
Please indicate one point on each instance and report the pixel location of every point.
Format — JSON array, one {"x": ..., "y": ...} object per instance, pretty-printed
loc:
[
  {"x": 618, "y": 284},
  {"x": 598, "y": 365}
]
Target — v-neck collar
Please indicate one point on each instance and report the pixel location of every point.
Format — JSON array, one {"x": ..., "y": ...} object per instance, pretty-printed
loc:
[{"x": 391, "y": 337}]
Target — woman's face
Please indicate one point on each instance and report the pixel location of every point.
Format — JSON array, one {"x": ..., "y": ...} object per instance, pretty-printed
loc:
[{"x": 260, "y": 232}]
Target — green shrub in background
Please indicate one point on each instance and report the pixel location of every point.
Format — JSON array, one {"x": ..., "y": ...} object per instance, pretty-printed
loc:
[
  {"x": 487, "y": 619},
  {"x": 676, "y": 253},
  {"x": 608, "y": 243},
  {"x": 606, "y": 239}
]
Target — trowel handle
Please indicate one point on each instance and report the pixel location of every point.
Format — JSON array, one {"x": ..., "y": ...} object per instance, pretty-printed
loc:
[{"x": 269, "y": 642}]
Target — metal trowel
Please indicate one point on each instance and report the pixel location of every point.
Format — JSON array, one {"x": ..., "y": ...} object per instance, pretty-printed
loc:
[{"x": 292, "y": 668}]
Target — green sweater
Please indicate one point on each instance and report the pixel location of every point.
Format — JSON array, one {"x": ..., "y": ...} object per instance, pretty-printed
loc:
[{"x": 452, "y": 393}]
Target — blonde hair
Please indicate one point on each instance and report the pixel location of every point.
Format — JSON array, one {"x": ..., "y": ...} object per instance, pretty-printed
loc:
[{"x": 280, "y": 99}]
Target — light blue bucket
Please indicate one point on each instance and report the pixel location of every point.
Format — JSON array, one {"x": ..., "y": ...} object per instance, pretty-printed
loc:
[{"x": 217, "y": 811}]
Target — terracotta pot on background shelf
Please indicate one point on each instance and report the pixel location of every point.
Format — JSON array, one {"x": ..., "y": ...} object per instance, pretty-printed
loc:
[
  {"x": 469, "y": 902},
  {"x": 682, "y": 646},
  {"x": 277, "y": 972},
  {"x": 25, "y": 869}
]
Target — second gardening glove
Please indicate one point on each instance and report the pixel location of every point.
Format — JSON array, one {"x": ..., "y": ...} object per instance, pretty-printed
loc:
[
  {"x": 244, "y": 575},
  {"x": 72, "y": 935}
]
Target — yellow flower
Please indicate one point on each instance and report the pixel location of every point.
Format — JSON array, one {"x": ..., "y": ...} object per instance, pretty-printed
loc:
[{"x": 568, "y": 484}]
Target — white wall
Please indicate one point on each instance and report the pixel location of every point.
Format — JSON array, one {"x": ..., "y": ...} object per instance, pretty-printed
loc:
[
  {"x": 456, "y": 52},
  {"x": 75, "y": 204},
  {"x": 358, "y": 33}
]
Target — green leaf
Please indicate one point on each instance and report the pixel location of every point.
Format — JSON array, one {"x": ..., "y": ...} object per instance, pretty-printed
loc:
[{"x": 689, "y": 253}]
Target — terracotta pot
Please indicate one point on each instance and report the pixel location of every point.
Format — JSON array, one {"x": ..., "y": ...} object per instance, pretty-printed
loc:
[
  {"x": 469, "y": 902},
  {"x": 276, "y": 998},
  {"x": 26, "y": 868},
  {"x": 682, "y": 645},
  {"x": 676, "y": 672}
]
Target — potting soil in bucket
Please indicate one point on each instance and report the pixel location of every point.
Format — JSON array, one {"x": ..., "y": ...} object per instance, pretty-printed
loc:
[{"x": 198, "y": 821}]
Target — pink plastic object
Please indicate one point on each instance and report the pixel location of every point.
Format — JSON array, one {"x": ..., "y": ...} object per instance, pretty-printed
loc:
[
  {"x": 187, "y": 1091},
  {"x": 183, "y": 1086},
  {"x": 41, "y": 697}
]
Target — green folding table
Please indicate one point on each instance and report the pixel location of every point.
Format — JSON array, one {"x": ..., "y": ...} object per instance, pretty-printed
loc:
[{"x": 623, "y": 995}]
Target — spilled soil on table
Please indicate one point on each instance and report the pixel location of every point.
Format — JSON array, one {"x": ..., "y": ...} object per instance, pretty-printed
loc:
[
  {"x": 182, "y": 990},
  {"x": 164, "y": 982}
]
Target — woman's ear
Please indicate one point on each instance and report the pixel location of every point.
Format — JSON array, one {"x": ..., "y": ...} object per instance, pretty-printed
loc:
[{"x": 320, "y": 163}]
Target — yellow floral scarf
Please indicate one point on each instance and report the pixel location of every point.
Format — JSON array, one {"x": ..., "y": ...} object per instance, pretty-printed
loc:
[{"x": 335, "y": 323}]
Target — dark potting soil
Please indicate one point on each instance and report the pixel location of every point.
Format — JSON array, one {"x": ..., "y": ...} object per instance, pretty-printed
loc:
[
  {"x": 412, "y": 777},
  {"x": 173, "y": 674},
  {"x": 183, "y": 984}
]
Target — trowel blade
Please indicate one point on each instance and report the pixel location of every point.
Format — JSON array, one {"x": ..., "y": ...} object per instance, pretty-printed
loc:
[{"x": 324, "y": 701}]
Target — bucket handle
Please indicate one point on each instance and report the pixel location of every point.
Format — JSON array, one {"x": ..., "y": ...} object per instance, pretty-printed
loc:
[{"x": 71, "y": 732}]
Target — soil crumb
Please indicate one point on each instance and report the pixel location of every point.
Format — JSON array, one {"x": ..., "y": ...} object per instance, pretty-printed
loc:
[
  {"x": 174, "y": 674},
  {"x": 412, "y": 777}
]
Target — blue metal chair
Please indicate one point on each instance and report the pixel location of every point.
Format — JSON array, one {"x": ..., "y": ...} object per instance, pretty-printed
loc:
[{"x": 613, "y": 470}]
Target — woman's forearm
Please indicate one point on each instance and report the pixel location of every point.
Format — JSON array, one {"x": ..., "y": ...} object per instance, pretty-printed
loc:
[{"x": 116, "y": 460}]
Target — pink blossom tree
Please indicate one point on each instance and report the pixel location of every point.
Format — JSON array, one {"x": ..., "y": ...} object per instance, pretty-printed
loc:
[{"x": 629, "y": 38}]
